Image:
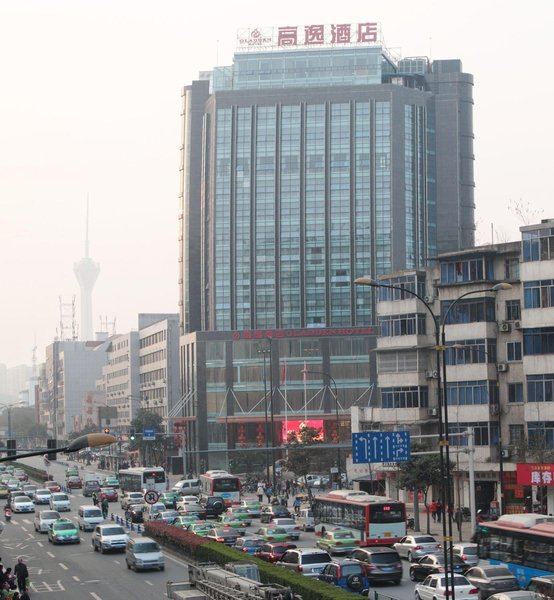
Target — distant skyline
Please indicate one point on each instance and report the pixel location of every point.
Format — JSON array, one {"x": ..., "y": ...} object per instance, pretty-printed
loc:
[{"x": 91, "y": 104}]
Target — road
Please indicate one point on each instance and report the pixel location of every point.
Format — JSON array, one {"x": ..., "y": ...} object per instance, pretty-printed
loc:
[{"x": 79, "y": 573}]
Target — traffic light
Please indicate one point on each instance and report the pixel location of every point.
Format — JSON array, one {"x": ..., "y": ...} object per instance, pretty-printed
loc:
[
  {"x": 106, "y": 430},
  {"x": 132, "y": 435},
  {"x": 11, "y": 446}
]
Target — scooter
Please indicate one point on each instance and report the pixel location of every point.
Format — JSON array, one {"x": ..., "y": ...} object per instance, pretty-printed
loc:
[{"x": 8, "y": 514}]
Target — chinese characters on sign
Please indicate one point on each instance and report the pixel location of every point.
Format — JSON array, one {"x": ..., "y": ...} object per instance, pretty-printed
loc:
[
  {"x": 345, "y": 34},
  {"x": 535, "y": 474}
]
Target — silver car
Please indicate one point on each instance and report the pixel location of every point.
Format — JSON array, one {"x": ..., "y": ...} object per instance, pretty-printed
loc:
[
  {"x": 44, "y": 519},
  {"x": 467, "y": 552},
  {"x": 416, "y": 546}
]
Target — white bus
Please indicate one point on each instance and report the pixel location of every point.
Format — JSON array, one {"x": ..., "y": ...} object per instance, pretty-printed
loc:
[
  {"x": 221, "y": 483},
  {"x": 143, "y": 478}
]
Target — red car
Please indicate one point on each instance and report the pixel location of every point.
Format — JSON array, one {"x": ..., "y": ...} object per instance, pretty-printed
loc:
[
  {"x": 74, "y": 483},
  {"x": 273, "y": 552},
  {"x": 53, "y": 486},
  {"x": 110, "y": 494}
]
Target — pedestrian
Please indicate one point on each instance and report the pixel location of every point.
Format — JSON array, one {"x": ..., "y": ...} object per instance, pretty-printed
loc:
[
  {"x": 269, "y": 493},
  {"x": 21, "y": 574},
  {"x": 260, "y": 491},
  {"x": 105, "y": 508},
  {"x": 458, "y": 517},
  {"x": 94, "y": 498},
  {"x": 433, "y": 510},
  {"x": 296, "y": 505},
  {"x": 439, "y": 511}
]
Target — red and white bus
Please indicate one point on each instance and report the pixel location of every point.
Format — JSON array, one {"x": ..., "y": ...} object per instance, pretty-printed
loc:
[
  {"x": 220, "y": 483},
  {"x": 375, "y": 519}
]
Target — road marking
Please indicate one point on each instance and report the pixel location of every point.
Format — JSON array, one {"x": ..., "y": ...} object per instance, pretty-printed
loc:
[
  {"x": 117, "y": 562},
  {"x": 50, "y": 555},
  {"x": 64, "y": 567},
  {"x": 24, "y": 528},
  {"x": 76, "y": 578},
  {"x": 40, "y": 544},
  {"x": 148, "y": 582},
  {"x": 95, "y": 596},
  {"x": 176, "y": 560}
]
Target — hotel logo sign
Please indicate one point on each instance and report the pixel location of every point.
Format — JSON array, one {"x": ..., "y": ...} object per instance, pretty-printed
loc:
[{"x": 308, "y": 36}]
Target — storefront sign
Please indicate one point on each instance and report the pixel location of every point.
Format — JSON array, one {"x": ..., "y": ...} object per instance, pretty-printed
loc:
[
  {"x": 535, "y": 474},
  {"x": 263, "y": 334}
]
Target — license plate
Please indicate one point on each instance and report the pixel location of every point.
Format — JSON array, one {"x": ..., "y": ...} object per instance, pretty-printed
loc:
[
  {"x": 386, "y": 568},
  {"x": 387, "y": 534},
  {"x": 317, "y": 570}
]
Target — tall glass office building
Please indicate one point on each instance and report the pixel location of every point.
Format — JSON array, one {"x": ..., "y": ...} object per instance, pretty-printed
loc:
[{"x": 304, "y": 168}]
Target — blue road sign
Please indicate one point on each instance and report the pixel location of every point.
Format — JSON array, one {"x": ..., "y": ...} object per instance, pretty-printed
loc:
[
  {"x": 149, "y": 434},
  {"x": 380, "y": 446}
]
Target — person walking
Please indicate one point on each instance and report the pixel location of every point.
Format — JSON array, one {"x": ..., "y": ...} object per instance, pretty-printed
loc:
[
  {"x": 21, "y": 574},
  {"x": 439, "y": 511},
  {"x": 433, "y": 510},
  {"x": 260, "y": 492},
  {"x": 269, "y": 493},
  {"x": 105, "y": 505}
]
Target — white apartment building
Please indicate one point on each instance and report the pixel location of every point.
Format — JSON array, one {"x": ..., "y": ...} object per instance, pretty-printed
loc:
[{"x": 499, "y": 356}]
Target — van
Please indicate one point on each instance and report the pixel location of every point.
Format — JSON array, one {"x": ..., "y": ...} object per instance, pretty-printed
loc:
[
  {"x": 305, "y": 519},
  {"x": 91, "y": 486},
  {"x": 88, "y": 517},
  {"x": 187, "y": 487},
  {"x": 144, "y": 553}
]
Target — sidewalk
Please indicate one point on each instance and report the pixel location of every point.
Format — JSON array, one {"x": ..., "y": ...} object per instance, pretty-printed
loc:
[{"x": 436, "y": 528}]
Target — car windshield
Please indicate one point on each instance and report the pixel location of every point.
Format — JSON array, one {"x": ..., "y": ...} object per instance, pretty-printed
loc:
[
  {"x": 113, "y": 531},
  {"x": 93, "y": 512},
  {"x": 276, "y": 530},
  {"x": 350, "y": 570},
  {"x": 384, "y": 559},
  {"x": 458, "y": 580},
  {"x": 147, "y": 547},
  {"x": 65, "y": 526},
  {"x": 49, "y": 515},
  {"x": 21, "y": 500},
  {"x": 343, "y": 535},
  {"x": 425, "y": 539},
  {"x": 253, "y": 543},
  {"x": 471, "y": 550},
  {"x": 497, "y": 572},
  {"x": 286, "y": 522},
  {"x": 60, "y": 497},
  {"x": 313, "y": 559}
]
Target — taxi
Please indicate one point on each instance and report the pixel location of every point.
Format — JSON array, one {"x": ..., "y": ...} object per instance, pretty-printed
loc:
[{"x": 63, "y": 531}]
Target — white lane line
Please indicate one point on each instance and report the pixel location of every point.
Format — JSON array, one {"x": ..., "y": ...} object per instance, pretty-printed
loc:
[
  {"x": 176, "y": 560},
  {"x": 64, "y": 567},
  {"x": 148, "y": 582},
  {"x": 117, "y": 562},
  {"x": 23, "y": 528},
  {"x": 50, "y": 555},
  {"x": 40, "y": 544},
  {"x": 95, "y": 596},
  {"x": 76, "y": 578}
]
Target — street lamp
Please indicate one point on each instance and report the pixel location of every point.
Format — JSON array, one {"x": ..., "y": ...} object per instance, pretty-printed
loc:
[
  {"x": 442, "y": 393},
  {"x": 305, "y": 371},
  {"x": 91, "y": 440}
]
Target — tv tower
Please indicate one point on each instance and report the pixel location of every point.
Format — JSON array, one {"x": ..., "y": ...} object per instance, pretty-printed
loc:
[{"x": 86, "y": 271}]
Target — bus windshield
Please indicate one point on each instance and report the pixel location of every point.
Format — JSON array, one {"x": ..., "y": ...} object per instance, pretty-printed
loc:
[
  {"x": 157, "y": 476},
  {"x": 226, "y": 484}
]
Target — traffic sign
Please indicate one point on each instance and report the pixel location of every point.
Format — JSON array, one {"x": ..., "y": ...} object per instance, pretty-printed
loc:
[
  {"x": 149, "y": 434},
  {"x": 380, "y": 446},
  {"x": 151, "y": 497}
]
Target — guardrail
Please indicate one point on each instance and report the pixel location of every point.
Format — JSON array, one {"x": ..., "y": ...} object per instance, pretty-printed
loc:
[{"x": 126, "y": 523}]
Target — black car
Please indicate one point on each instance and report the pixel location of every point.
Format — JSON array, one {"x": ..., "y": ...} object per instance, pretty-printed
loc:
[
  {"x": 434, "y": 563},
  {"x": 214, "y": 506},
  {"x": 277, "y": 511},
  {"x": 491, "y": 580},
  {"x": 380, "y": 563},
  {"x": 135, "y": 514},
  {"x": 227, "y": 535}
]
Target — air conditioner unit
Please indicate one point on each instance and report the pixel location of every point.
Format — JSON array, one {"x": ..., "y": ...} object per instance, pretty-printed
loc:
[
  {"x": 433, "y": 412},
  {"x": 504, "y": 326},
  {"x": 494, "y": 409},
  {"x": 517, "y": 324},
  {"x": 502, "y": 367},
  {"x": 505, "y": 453},
  {"x": 429, "y": 299},
  {"x": 432, "y": 374}
]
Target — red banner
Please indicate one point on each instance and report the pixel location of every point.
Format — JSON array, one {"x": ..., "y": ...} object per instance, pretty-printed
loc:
[{"x": 535, "y": 474}]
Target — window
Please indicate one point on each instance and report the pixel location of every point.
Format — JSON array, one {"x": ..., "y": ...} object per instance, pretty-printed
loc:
[
  {"x": 404, "y": 397},
  {"x": 538, "y": 244},
  {"x": 511, "y": 268},
  {"x": 414, "y": 283},
  {"x": 540, "y": 434},
  {"x": 513, "y": 310},
  {"x": 462, "y": 393},
  {"x": 471, "y": 352},
  {"x": 469, "y": 311},
  {"x": 540, "y": 388},
  {"x": 517, "y": 435},
  {"x": 538, "y": 340},
  {"x": 513, "y": 351},
  {"x": 396, "y": 325},
  {"x": 538, "y": 294},
  {"x": 477, "y": 268},
  {"x": 515, "y": 392},
  {"x": 484, "y": 434}
]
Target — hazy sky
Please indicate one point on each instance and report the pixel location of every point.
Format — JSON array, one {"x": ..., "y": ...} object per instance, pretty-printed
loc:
[{"x": 90, "y": 102}]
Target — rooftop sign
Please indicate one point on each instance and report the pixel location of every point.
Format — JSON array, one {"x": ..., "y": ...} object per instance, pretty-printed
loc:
[{"x": 307, "y": 36}]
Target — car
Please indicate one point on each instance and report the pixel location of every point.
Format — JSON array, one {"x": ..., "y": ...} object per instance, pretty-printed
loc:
[
  {"x": 416, "y": 546},
  {"x": 276, "y": 511},
  {"x": 71, "y": 471},
  {"x": 44, "y": 518},
  {"x": 434, "y": 588},
  {"x": 60, "y": 501},
  {"x": 434, "y": 563},
  {"x": 42, "y": 496},
  {"x": 225, "y": 535},
  {"x": 492, "y": 579},
  {"x": 89, "y": 487},
  {"x": 542, "y": 584},
  {"x": 130, "y": 498},
  {"x": 226, "y": 520},
  {"x": 53, "y": 486},
  {"x": 18, "y": 494},
  {"x": 214, "y": 506},
  {"x": 518, "y": 595},
  {"x": 270, "y": 533},
  {"x": 252, "y": 508},
  {"x": 340, "y": 541},
  {"x": 135, "y": 513},
  {"x": 144, "y": 553},
  {"x": 305, "y": 519},
  {"x": 109, "y": 493},
  {"x": 23, "y": 504},
  {"x": 289, "y": 525},
  {"x": 201, "y": 528},
  {"x": 307, "y": 561},
  {"x": 239, "y": 513},
  {"x": 4, "y": 491},
  {"x": 13, "y": 484},
  {"x": 348, "y": 575},
  {"x": 249, "y": 545},
  {"x": 381, "y": 563},
  {"x": 467, "y": 552},
  {"x": 183, "y": 521},
  {"x": 187, "y": 499},
  {"x": 272, "y": 552},
  {"x": 63, "y": 531},
  {"x": 195, "y": 510},
  {"x": 109, "y": 537},
  {"x": 29, "y": 489},
  {"x": 155, "y": 509},
  {"x": 112, "y": 482},
  {"x": 187, "y": 486},
  {"x": 20, "y": 474},
  {"x": 167, "y": 516},
  {"x": 169, "y": 499},
  {"x": 74, "y": 483}
]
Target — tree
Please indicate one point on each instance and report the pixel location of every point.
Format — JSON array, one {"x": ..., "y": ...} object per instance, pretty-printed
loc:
[
  {"x": 151, "y": 452},
  {"x": 421, "y": 473}
]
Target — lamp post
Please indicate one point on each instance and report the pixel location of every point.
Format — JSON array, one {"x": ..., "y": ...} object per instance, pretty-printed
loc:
[
  {"x": 336, "y": 395},
  {"x": 442, "y": 391},
  {"x": 263, "y": 351}
]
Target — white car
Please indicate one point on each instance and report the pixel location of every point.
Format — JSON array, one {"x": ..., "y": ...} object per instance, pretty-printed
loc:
[
  {"x": 433, "y": 588},
  {"x": 60, "y": 501},
  {"x": 45, "y": 518},
  {"x": 109, "y": 537},
  {"x": 23, "y": 504},
  {"x": 42, "y": 496},
  {"x": 289, "y": 525},
  {"x": 415, "y": 546}
]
